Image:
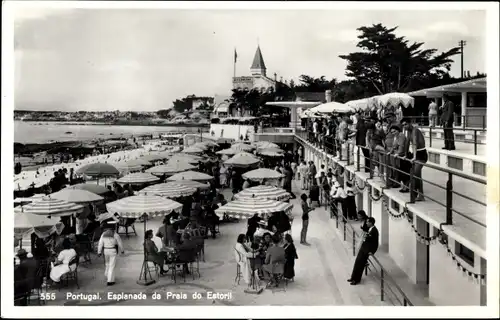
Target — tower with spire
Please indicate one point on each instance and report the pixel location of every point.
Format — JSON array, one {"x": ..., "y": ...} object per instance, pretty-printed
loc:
[{"x": 258, "y": 66}]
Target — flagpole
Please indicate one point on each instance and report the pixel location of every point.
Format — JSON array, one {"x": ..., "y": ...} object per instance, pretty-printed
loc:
[{"x": 234, "y": 63}]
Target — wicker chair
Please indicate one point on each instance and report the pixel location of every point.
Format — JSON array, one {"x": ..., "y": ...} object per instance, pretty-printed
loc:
[{"x": 72, "y": 274}]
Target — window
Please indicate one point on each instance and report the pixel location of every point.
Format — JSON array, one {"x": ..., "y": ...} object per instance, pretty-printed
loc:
[
  {"x": 395, "y": 205},
  {"x": 434, "y": 157},
  {"x": 464, "y": 253},
  {"x": 456, "y": 163},
  {"x": 479, "y": 168}
]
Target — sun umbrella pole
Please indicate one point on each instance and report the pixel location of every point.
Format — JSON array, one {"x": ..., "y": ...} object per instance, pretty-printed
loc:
[{"x": 143, "y": 277}]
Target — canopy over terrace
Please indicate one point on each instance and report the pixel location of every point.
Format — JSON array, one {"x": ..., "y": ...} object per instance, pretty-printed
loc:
[
  {"x": 472, "y": 110},
  {"x": 293, "y": 106}
]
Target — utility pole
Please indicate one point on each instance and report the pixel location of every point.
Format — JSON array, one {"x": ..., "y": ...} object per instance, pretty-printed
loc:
[{"x": 462, "y": 44}]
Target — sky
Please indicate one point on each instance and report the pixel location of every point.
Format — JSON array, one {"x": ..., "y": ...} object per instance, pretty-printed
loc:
[{"x": 143, "y": 59}]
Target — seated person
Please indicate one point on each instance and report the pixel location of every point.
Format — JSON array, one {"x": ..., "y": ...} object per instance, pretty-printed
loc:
[
  {"x": 275, "y": 255},
  {"x": 186, "y": 251},
  {"x": 24, "y": 276},
  {"x": 264, "y": 244},
  {"x": 61, "y": 266},
  {"x": 152, "y": 253}
]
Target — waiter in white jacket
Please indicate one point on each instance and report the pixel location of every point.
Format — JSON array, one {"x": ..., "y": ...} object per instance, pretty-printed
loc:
[
  {"x": 110, "y": 244},
  {"x": 339, "y": 196}
]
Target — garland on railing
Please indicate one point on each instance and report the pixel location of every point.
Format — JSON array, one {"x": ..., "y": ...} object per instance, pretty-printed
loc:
[
  {"x": 423, "y": 239},
  {"x": 385, "y": 202},
  {"x": 379, "y": 197},
  {"x": 476, "y": 277},
  {"x": 356, "y": 184}
]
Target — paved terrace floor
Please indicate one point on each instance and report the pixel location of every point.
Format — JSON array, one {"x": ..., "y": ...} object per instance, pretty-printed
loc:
[
  {"x": 465, "y": 148},
  {"x": 321, "y": 272}
]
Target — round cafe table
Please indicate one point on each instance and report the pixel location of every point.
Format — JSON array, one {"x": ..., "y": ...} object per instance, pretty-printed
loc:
[{"x": 255, "y": 264}]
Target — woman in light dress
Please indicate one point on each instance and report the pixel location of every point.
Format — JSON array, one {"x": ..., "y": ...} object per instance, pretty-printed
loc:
[
  {"x": 61, "y": 266},
  {"x": 242, "y": 255},
  {"x": 223, "y": 176}
]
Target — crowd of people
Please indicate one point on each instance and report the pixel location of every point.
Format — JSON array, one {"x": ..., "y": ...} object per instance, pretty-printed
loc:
[{"x": 390, "y": 146}]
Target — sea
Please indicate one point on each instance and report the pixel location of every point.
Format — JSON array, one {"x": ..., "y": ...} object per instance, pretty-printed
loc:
[{"x": 47, "y": 132}]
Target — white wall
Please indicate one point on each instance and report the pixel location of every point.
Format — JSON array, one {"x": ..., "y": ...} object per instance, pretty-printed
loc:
[
  {"x": 402, "y": 246},
  {"x": 231, "y": 131},
  {"x": 447, "y": 285}
]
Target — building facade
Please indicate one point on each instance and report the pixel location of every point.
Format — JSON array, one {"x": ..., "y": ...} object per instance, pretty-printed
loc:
[{"x": 258, "y": 78}]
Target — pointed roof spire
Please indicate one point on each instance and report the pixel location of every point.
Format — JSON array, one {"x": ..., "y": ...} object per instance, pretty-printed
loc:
[{"x": 258, "y": 61}]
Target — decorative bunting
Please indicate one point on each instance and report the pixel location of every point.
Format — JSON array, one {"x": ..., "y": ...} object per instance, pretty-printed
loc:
[
  {"x": 472, "y": 276},
  {"x": 385, "y": 202}
]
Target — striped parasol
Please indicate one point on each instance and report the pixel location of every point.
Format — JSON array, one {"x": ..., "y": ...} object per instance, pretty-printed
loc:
[
  {"x": 266, "y": 145},
  {"x": 247, "y": 207},
  {"x": 141, "y": 205},
  {"x": 98, "y": 169},
  {"x": 76, "y": 196},
  {"x": 153, "y": 157},
  {"x": 228, "y": 152},
  {"x": 184, "y": 157},
  {"x": 200, "y": 145},
  {"x": 138, "y": 178},
  {"x": 193, "y": 149},
  {"x": 266, "y": 192},
  {"x": 26, "y": 223},
  {"x": 242, "y": 159},
  {"x": 261, "y": 174},
  {"x": 191, "y": 184},
  {"x": 94, "y": 188},
  {"x": 49, "y": 206},
  {"x": 168, "y": 190},
  {"x": 172, "y": 167},
  {"x": 190, "y": 175},
  {"x": 29, "y": 199},
  {"x": 242, "y": 147},
  {"x": 271, "y": 152}
]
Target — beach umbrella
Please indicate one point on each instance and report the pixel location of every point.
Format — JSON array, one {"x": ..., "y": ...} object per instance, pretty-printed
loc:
[
  {"x": 332, "y": 107},
  {"x": 138, "y": 178},
  {"x": 143, "y": 205},
  {"x": 361, "y": 104},
  {"x": 228, "y": 152},
  {"x": 172, "y": 167},
  {"x": 193, "y": 149},
  {"x": 261, "y": 174},
  {"x": 29, "y": 199},
  {"x": 242, "y": 159},
  {"x": 76, "y": 196},
  {"x": 266, "y": 192},
  {"x": 168, "y": 190},
  {"x": 26, "y": 223},
  {"x": 266, "y": 145},
  {"x": 138, "y": 161},
  {"x": 48, "y": 206},
  {"x": 396, "y": 99},
  {"x": 94, "y": 188},
  {"x": 242, "y": 147},
  {"x": 98, "y": 169},
  {"x": 247, "y": 207},
  {"x": 271, "y": 152},
  {"x": 190, "y": 175},
  {"x": 184, "y": 157},
  {"x": 208, "y": 143},
  {"x": 191, "y": 184},
  {"x": 201, "y": 145}
]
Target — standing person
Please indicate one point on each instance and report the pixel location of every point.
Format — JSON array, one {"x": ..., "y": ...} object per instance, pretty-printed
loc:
[
  {"x": 312, "y": 173},
  {"x": 287, "y": 182},
  {"x": 399, "y": 113},
  {"x": 433, "y": 113},
  {"x": 369, "y": 246},
  {"x": 305, "y": 218},
  {"x": 290, "y": 256},
  {"x": 447, "y": 120},
  {"x": 223, "y": 176},
  {"x": 109, "y": 245},
  {"x": 390, "y": 173},
  {"x": 361, "y": 141},
  {"x": 294, "y": 167},
  {"x": 420, "y": 157},
  {"x": 303, "y": 175}
]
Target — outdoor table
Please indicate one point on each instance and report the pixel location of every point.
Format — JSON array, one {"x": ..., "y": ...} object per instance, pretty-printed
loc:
[{"x": 255, "y": 264}]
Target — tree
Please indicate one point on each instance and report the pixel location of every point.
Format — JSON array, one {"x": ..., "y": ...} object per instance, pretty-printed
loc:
[
  {"x": 311, "y": 84},
  {"x": 388, "y": 63},
  {"x": 163, "y": 113},
  {"x": 182, "y": 105}
]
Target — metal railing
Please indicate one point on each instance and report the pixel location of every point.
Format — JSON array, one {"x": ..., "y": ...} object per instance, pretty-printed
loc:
[
  {"x": 463, "y": 121},
  {"x": 389, "y": 289},
  {"x": 333, "y": 146}
]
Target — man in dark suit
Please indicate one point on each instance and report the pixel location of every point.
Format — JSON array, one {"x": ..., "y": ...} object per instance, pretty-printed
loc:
[
  {"x": 447, "y": 121},
  {"x": 369, "y": 246},
  {"x": 361, "y": 140}
]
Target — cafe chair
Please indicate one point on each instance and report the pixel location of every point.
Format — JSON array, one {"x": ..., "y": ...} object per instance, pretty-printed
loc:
[
  {"x": 277, "y": 274},
  {"x": 239, "y": 260},
  {"x": 71, "y": 275},
  {"x": 126, "y": 223}
]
